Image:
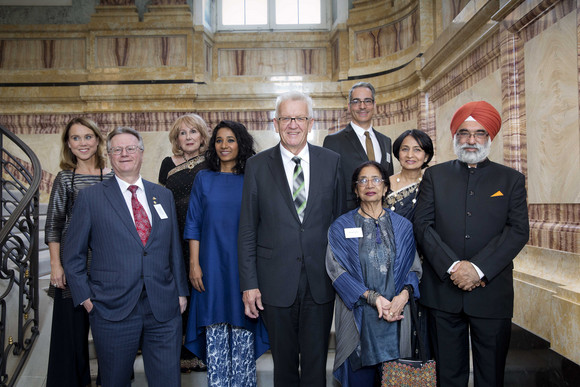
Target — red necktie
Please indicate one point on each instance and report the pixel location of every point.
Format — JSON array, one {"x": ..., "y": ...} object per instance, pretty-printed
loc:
[{"x": 141, "y": 220}]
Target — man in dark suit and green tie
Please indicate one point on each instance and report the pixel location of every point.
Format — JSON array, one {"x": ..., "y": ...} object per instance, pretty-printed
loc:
[{"x": 292, "y": 193}]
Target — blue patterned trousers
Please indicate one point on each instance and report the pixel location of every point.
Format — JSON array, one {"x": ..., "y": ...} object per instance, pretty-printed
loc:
[{"x": 230, "y": 356}]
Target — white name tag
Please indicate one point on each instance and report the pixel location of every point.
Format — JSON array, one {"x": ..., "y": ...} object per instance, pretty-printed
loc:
[
  {"x": 354, "y": 232},
  {"x": 160, "y": 211}
]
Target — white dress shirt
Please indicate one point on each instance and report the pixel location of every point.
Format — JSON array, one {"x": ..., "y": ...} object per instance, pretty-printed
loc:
[
  {"x": 289, "y": 167},
  {"x": 140, "y": 196},
  {"x": 360, "y": 133}
]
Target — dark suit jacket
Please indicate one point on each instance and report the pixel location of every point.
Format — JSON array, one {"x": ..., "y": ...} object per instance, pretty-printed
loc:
[
  {"x": 478, "y": 214},
  {"x": 352, "y": 154},
  {"x": 272, "y": 242},
  {"x": 121, "y": 265}
]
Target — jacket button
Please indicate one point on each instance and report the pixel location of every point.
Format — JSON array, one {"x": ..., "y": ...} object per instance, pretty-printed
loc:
[
  {"x": 471, "y": 193},
  {"x": 468, "y": 213},
  {"x": 468, "y": 236}
]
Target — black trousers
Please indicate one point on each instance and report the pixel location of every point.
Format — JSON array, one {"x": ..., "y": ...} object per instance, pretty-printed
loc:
[
  {"x": 490, "y": 339},
  {"x": 299, "y": 337},
  {"x": 68, "y": 359}
]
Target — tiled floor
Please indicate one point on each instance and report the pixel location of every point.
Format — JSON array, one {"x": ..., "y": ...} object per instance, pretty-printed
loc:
[{"x": 530, "y": 361}]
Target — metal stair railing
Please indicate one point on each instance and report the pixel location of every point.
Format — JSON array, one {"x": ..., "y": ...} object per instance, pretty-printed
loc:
[{"x": 20, "y": 181}]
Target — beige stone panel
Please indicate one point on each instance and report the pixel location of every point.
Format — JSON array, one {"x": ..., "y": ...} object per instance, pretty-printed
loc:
[
  {"x": 551, "y": 265},
  {"x": 533, "y": 307},
  {"x": 29, "y": 54},
  {"x": 264, "y": 139},
  {"x": 488, "y": 89},
  {"x": 47, "y": 149},
  {"x": 157, "y": 147},
  {"x": 141, "y": 51},
  {"x": 547, "y": 297},
  {"x": 566, "y": 334},
  {"x": 264, "y": 62},
  {"x": 552, "y": 114}
]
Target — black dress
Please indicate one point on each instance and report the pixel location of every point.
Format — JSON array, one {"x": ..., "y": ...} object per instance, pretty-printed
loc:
[{"x": 68, "y": 359}]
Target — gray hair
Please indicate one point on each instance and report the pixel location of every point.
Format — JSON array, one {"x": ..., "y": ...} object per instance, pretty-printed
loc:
[
  {"x": 361, "y": 84},
  {"x": 294, "y": 96},
  {"x": 121, "y": 130}
]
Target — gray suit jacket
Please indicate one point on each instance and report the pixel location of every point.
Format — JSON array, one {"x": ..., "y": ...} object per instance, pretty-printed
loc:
[
  {"x": 272, "y": 242},
  {"x": 352, "y": 154},
  {"x": 121, "y": 265}
]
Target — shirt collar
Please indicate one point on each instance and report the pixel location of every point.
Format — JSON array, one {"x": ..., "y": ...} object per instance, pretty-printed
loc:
[
  {"x": 124, "y": 185},
  {"x": 287, "y": 155},
  {"x": 360, "y": 131}
]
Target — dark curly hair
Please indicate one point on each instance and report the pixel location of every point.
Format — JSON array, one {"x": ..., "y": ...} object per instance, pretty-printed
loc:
[
  {"x": 382, "y": 170},
  {"x": 422, "y": 139},
  {"x": 245, "y": 147}
]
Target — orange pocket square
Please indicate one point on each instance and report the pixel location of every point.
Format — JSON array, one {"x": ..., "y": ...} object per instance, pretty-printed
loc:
[{"x": 498, "y": 193}]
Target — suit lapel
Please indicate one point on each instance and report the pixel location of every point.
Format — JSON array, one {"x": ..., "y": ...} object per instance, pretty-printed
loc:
[
  {"x": 355, "y": 142},
  {"x": 279, "y": 178},
  {"x": 383, "y": 144},
  {"x": 115, "y": 197},
  {"x": 315, "y": 178},
  {"x": 150, "y": 193}
]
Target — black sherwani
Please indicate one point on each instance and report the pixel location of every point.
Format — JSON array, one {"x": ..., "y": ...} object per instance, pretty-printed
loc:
[{"x": 475, "y": 214}]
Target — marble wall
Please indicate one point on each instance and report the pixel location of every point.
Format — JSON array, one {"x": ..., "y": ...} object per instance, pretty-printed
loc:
[{"x": 425, "y": 58}]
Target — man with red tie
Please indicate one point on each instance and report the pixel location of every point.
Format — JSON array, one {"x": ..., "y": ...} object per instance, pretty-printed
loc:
[{"x": 134, "y": 288}]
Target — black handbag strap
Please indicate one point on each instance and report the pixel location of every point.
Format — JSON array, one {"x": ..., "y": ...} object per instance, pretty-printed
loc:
[{"x": 415, "y": 320}]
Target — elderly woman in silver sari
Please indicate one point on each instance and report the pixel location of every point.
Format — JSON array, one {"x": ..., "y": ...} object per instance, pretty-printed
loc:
[{"x": 372, "y": 262}]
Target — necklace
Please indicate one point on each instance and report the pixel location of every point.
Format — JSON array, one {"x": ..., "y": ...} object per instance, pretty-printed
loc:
[
  {"x": 377, "y": 226},
  {"x": 192, "y": 162},
  {"x": 416, "y": 180}
]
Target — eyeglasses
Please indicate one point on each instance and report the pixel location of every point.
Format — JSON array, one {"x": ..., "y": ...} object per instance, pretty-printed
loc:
[
  {"x": 287, "y": 120},
  {"x": 366, "y": 101},
  {"x": 129, "y": 149},
  {"x": 479, "y": 135},
  {"x": 364, "y": 181}
]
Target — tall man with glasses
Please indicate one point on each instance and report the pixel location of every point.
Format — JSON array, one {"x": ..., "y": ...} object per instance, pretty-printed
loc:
[
  {"x": 471, "y": 221},
  {"x": 135, "y": 288},
  {"x": 292, "y": 193},
  {"x": 358, "y": 141}
]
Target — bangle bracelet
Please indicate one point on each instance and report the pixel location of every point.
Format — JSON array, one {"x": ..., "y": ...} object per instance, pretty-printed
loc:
[{"x": 372, "y": 298}]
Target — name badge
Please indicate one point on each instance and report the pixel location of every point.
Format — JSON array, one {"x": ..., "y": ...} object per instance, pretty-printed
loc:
[
  {"x": 160, "y": 211},
  {"x": 354, "y": 232}
]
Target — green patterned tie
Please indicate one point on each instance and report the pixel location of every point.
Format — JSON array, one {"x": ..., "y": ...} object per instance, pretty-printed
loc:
[{"x": 298, "y": 191}]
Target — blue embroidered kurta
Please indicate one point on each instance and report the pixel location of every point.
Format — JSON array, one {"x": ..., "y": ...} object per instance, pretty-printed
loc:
[{"x": 345, "y": 267}]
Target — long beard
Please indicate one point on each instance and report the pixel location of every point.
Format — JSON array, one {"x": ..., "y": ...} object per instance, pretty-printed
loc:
[{"x": 470, "y": 157}]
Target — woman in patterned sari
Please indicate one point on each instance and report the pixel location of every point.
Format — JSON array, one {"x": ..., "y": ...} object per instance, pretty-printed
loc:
[{"x": 414, "y": 149}]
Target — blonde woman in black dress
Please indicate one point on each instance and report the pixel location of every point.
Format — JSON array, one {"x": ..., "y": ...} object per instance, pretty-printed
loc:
[{"x": 189, "y": 138}]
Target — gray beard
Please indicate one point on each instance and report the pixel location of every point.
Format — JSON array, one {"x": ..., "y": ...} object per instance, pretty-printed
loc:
[{"x": 470, "y": 157}]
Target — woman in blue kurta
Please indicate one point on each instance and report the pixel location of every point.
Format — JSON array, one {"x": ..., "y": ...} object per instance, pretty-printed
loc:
[
  {"x": 217, "y": 329},
  {"x": 369, "y": 260}
]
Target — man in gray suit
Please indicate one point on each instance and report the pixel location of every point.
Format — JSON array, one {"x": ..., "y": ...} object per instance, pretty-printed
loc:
[
  {"x": 292, "y": 193},
  {"x": 136, "y": 287},
  {"x": 358, "y": 141}
]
